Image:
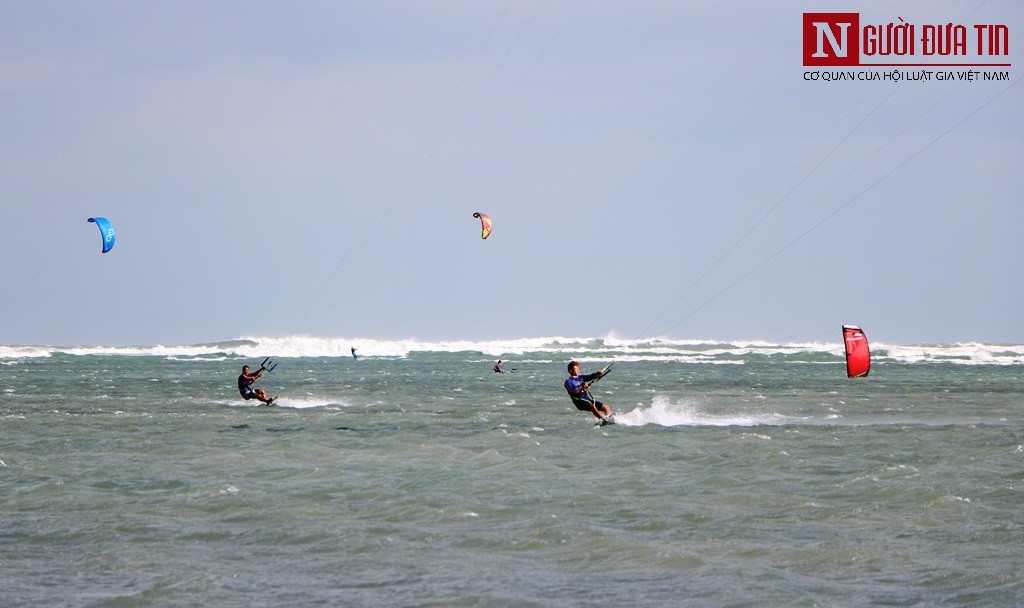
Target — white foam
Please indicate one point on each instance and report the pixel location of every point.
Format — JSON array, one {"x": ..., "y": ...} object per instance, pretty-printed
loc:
[
  {"x": 306, "y": 403},
  {"x": 287, "y": 402},
  {"x": 664, "y": 412},
  {"x": 557, "y": 348},
  {"x": 24, "y": 352},
  {"x": 962, "y": 353}
]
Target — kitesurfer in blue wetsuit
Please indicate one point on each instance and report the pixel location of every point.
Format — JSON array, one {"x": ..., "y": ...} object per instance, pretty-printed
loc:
[
  {"x": 578, "y": 388},
  {"x": 245, "y": 382}
]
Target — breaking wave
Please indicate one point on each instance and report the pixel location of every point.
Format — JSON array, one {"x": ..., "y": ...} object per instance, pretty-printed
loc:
[{"x": 707, "y": 351}]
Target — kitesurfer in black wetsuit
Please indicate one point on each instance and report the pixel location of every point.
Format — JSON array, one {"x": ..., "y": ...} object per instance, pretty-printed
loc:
[{"x": 245, "y": 382}]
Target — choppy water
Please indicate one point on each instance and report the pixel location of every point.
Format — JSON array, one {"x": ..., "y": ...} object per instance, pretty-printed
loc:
[{"x": 741, "y": 474}]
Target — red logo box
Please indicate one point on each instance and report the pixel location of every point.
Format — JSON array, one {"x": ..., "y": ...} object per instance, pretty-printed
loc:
[{"x": 831, "y": 39}]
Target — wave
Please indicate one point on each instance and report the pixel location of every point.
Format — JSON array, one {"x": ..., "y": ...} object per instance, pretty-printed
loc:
[
  {"x": 666, "y": 412},
  {"x": 219, "y": 350},
  {"x": 585, "y": 349},
  {"x": 663, "y": 412},
  {"x": 299, "y": 403}
]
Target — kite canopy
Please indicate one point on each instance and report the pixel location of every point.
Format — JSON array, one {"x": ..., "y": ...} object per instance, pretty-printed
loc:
[
  {"x": 485, "y": 224},
  {"x": 106, "y": 232},
  {"x": 858, "y": 356}
]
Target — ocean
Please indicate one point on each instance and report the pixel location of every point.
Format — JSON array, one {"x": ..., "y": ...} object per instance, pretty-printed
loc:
[{"x": 740, "y": 473}]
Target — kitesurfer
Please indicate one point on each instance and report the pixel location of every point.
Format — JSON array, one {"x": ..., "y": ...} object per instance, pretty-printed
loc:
[
  {"x": 353, "y": 349},
  {"x": 245, "y": 382},
  {"x": 578, "y": 388},
  {"x": 498, "y": 369}
]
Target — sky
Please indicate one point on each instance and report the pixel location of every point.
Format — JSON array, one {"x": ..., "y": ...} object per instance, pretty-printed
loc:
[{"x": 652, "y": 169}]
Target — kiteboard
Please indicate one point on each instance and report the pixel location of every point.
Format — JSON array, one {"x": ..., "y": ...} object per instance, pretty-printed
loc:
[
  {"x": 271, "y": 402},
  {"x": 607, "y": 421}
]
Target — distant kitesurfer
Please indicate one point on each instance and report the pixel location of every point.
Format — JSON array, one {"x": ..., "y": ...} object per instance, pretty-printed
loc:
[
  {"x": 245, "y": 382},
  {"x": 498, "y": 369},
  {"x": 578, "y": 388},
  {"x": 353, "y": 349}
]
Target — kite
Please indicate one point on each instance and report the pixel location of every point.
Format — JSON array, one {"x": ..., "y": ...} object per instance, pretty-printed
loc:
[
  {"x": 858, "y": 356},
  {"x": 106, "y": 232},
  {"x": 485, "y": 224}
]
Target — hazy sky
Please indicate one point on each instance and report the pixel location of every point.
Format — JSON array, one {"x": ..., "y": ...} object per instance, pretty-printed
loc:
[{"x": 277, "y": 167}]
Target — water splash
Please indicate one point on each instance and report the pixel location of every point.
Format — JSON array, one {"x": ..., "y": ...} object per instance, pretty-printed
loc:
[{"x": 664, "y": 412}]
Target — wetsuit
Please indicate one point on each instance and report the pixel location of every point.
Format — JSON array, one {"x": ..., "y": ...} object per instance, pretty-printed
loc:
[
  {"x": 245, "y": 386},
  {"x": 581, "y": 399}
]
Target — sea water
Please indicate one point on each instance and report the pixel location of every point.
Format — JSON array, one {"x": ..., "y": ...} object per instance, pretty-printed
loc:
[{"x": 739, "y": 474}]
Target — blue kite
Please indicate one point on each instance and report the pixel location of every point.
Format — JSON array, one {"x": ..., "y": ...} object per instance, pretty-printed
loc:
[{"x": 106, "y": 232}]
